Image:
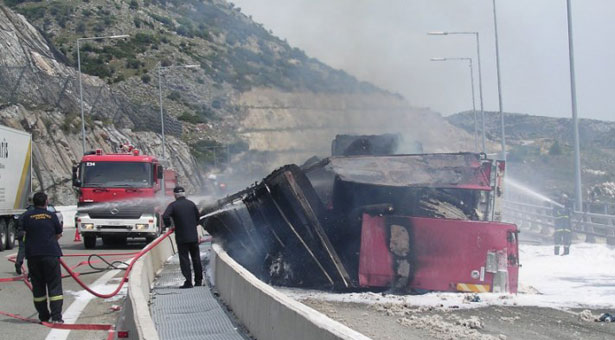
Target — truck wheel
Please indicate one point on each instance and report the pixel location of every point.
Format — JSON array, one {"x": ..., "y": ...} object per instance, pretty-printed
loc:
[
  {"x": 10, "y": 234},
  {"x": 2, "y": 234},
  {"x": 149, "y": 239},
  {"x": 89, "y": 241}
]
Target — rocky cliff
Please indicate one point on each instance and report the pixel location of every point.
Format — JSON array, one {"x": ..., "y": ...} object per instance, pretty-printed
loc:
[
  {"x": 250, "y": 100},
  {"x": 38, "y": 95}
]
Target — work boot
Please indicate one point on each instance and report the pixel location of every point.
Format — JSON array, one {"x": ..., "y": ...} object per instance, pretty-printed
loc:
[
  {"x": 556, "y": 250},
  {"x": 59, "y": 321},
  {"x": 566, "y": 251},
  {"x": 186, "y": 284},
  {"x": 198, "y": 283},
  {"x": 43, "y": 312},
  {"x": 18, "y": 268}
]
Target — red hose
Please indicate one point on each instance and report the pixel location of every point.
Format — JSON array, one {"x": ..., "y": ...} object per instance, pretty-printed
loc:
[{"x": 126, "y": 273}]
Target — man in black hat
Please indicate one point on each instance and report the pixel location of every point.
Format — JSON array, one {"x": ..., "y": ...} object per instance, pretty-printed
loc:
[{"x": 186, "y": 218}]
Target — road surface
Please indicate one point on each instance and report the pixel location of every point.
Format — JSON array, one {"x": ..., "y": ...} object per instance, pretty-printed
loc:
[{"x": 78, "y": 304}]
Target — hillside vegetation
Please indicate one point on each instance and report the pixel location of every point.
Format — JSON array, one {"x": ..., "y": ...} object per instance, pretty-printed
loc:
[{"x": 541, "y": 154}]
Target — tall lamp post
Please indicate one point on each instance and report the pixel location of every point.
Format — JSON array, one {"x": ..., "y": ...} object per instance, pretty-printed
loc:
[
  {"x": 480, "y": 80},
  {"x": 469, "y": 60},
  {"x": 81, "y": 86},
  {"x": 575, "y": 121},
  {"x": 160, "y": 70},
  {"x": 497, "y": 61}
]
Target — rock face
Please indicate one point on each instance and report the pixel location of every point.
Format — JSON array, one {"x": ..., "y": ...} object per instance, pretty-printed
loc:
[
  {"x": 300, "y": 125},
  {"x": 38, "y": 94}
]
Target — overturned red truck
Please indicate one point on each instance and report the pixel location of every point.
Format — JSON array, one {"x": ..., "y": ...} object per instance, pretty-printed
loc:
[{"x": 408, "y": 223}]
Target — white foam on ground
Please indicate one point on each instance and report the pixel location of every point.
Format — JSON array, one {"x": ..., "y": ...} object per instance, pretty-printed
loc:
[{"x": 583, "y": 279}]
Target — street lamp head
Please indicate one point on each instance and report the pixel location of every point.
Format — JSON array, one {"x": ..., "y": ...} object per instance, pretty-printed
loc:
[
  {"x": 438, "y": 59},
  {"x": 437, "y": 33},
  {"x": 191, "y": 66},
  {"x": 120, "y": 36}
]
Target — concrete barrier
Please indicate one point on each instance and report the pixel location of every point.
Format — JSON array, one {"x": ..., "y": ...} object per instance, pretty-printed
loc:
[
  {"x": 136, "y": 318},
  {"x": 267, "y": 313}
]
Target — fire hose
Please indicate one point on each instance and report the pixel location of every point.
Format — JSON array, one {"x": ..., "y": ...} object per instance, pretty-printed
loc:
[{"x": 116, "y": 264}]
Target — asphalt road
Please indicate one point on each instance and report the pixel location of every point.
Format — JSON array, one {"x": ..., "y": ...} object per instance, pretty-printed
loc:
[{"x": 16, "y": 298}]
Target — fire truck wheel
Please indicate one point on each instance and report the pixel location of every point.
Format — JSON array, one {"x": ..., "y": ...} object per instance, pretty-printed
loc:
[
  {"x": 10, "y": 234},
  {"x": 149, "y": 239},
  {"x": 2, "y": 234},
  {"x": 89, "y": 242}
]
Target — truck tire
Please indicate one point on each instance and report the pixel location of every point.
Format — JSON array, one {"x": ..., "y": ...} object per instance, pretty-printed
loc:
[
  {"x": 89, "y": 241},
  {"x": 10, "y": 234},
  {"x": 2, "y": 234}
]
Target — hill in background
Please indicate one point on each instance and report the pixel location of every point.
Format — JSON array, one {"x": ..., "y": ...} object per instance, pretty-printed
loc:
[{"x": 541, "y": 153}]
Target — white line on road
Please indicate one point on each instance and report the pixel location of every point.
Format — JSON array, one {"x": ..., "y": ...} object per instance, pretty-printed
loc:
[{"x": 71, "y": 315}]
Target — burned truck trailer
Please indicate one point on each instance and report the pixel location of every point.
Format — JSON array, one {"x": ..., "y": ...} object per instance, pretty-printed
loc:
[{"x": 403, "y": 222}]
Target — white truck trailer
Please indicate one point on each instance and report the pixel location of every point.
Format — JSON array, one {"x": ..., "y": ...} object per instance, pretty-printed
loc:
[{"x": 15, "y": 181}]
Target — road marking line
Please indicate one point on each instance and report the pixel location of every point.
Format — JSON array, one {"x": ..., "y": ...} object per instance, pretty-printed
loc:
[{"x": 71, "y": 315}]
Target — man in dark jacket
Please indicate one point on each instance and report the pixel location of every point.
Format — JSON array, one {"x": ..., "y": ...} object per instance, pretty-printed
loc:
[
  {"x": 42, "y": 231},
  {"x": 185, "y": 217}
]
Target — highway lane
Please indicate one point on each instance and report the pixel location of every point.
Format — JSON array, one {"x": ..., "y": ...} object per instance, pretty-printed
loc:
[{"x": 16, "y": 298}]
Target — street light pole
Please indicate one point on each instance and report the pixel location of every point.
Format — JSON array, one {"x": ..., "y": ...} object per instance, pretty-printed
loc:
[
  {"x": 497, "y": 59},
  {"x": 575, "y": 121},
  {"x": 160, "y": 69},
  {"x": 161, "y": 110},
  {"x": 469, "y": 60},
  {"x": 80, "y": 84},
  {"x": 480, "y": 81},
  {"x": 81, "y": 99}
]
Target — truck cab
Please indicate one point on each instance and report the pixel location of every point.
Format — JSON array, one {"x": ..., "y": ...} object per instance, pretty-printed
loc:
[{"x": 121, "y": 195}]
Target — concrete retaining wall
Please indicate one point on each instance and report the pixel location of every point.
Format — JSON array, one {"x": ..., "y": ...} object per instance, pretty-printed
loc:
[
  {"x": 267, "y": 313},
  {"x": 136, "y": 317}
]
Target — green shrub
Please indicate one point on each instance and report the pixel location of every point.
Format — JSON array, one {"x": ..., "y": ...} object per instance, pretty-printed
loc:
[
  {"x": 133, "y": 4},
  {"x": 146, "y": 78},
  {"x": 174, "y": 95},
  {"x": 142, "y": 38},
  {"x": 32, "y": 13},
  {"x": 80, "y": 27}
]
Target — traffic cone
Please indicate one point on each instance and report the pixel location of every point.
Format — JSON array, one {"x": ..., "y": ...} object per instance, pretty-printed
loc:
[{"x": 77, "y": 235}]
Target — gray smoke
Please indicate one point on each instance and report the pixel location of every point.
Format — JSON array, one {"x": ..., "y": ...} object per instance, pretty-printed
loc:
[{"x": 386, "y": 43}]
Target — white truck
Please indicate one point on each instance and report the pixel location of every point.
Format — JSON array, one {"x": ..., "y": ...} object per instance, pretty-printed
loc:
[{"x": 15, "y": 181}]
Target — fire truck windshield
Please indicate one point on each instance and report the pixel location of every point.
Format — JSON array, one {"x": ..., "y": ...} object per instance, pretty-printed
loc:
[{"x": 116, "y": 174}]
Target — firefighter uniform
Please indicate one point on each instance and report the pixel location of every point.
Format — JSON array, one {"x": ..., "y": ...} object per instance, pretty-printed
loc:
[
  {"x": 563, "y": 228},
  {"x": 43, "y": 254}
]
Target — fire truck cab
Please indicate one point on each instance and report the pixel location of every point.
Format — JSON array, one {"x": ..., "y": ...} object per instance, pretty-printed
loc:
[{"x": 121, "y": 195}]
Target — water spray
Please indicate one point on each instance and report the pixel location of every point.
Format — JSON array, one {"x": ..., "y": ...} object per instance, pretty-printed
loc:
[{"x": 523, "y": 189}]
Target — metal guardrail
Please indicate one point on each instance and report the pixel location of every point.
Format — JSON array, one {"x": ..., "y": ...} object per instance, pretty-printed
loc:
[{"x": 539, "y": 219}]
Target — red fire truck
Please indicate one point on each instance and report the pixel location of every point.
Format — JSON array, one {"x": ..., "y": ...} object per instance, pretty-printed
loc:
[{"x": 121, "y": 195}]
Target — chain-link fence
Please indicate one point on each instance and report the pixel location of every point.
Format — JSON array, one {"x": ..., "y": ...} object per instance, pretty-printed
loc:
[{"x": 57, "y": 88}]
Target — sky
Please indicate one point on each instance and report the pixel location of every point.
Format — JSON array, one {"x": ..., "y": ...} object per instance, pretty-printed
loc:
[{"x": 385, "y": 42}]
